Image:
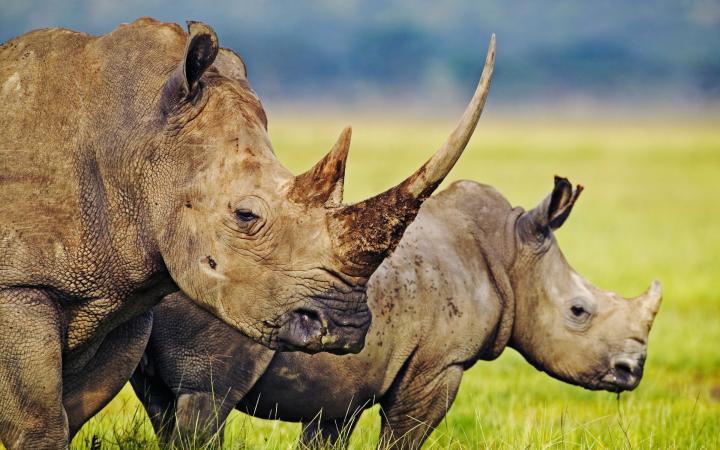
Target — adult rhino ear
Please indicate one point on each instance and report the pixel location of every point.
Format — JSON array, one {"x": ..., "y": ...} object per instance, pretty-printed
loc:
[
  {"x": 552, "y": 212},
  {"x": 200, "y": 52},
  {"x": 231, "y": 65}
]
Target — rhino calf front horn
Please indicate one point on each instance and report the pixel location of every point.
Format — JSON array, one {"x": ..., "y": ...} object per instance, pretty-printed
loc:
[{"x": 649, "y": 302}]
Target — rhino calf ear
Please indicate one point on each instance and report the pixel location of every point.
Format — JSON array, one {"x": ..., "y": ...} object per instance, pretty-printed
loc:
[
  {"x": 552, "y": 212},
  {"x": 562, "y": 201}
]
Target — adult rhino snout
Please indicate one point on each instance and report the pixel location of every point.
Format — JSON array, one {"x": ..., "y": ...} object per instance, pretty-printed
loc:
[{"x": 327, "y": 326}]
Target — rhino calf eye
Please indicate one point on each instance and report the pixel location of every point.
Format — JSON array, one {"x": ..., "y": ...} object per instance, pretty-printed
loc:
[
  {"x": 578, "y": 311},
  {"x": 245, "y": 215}
]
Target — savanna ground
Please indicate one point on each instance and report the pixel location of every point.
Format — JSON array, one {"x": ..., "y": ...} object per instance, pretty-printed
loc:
[{"x": 650, "y": 210}]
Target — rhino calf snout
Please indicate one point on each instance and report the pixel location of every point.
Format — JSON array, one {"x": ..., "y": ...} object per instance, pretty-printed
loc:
[{"x": 625, "y": 373}]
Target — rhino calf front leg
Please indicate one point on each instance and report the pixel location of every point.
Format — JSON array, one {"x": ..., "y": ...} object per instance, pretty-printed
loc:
[
  {"x": 157, "y": 398},
  {"x": 415, "y": 405},
  {"x": 328, "y": 433},
  {"x": 32, "y": 414},
  {"x": 200, "y": 417},
  {"x": 186, "y": 415}
]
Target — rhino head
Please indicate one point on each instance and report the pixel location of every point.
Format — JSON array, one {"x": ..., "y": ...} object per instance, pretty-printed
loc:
[
  {"x": 564, "y": 325},
  {"x": 277, "y": 256}
]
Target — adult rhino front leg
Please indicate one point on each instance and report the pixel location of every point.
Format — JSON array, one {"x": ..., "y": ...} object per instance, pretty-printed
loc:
[
  {"x": 88, "y": 391},
  {"x": 32, "y": 414}
]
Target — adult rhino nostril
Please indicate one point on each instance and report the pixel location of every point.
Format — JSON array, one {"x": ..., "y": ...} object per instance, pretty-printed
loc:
[
  {"x": 302, "y": 330},
  {"x": 624, "y": 375},
  {"x": 325, "y": 327},
  {"x": 307, "y": 315}
]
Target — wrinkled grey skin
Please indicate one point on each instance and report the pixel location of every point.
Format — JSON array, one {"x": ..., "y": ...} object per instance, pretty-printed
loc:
[
  {"x": 138, "y": 163},
  {"x": 471, "y": 276}
]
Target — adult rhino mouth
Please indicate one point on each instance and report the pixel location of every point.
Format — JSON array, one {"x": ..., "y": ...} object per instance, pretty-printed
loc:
[{"x": 332, "y": 322}]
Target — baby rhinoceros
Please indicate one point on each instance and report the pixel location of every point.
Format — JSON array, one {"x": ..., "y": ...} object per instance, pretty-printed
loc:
[{"x": 470, "y": 277}]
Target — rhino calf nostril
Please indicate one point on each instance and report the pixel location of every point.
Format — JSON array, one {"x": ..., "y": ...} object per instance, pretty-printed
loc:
[{"x": 624, "y": 367}]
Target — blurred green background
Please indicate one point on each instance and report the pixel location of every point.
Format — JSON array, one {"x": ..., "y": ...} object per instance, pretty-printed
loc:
[{"x": 619, "y": 96}]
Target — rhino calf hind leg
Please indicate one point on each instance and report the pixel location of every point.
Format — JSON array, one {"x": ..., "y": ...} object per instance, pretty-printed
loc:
[
  {"x": 328, "y": 433},
  {"x": 415, "y": 405},
  {"x": 32, "y": 414}
]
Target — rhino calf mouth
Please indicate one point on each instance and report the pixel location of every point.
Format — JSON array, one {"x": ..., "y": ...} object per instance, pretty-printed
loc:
[
  {"x": 335, "y": 324},
  {"x": 625, "y": 375}
]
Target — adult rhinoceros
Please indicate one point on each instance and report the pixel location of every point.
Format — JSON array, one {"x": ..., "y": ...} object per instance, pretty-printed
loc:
[
  {"x": 138, "y": 162},
  {"x": 471, "y": 276}
]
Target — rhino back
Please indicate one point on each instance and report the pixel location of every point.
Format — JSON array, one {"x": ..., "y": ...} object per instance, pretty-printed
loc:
[
  {"x": 37, "y": 128},
  {"x": 432, "y": 302},
  {"x": 75, "y": 110},
  {"x": 70, "y": 102}
]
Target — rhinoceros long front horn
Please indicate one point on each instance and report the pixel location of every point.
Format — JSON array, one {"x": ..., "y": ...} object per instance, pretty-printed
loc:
[{"x": 366, "y": 232}]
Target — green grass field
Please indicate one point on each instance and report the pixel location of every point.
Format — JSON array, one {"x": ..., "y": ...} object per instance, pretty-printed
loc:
[{"x": 650, "y": 211}]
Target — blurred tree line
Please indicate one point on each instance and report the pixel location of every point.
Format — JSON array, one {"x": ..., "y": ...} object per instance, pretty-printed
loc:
[{"x": 660, "y": 50}]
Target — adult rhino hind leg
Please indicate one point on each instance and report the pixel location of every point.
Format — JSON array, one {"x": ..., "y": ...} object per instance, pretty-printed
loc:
[
  {"x": 88, "y": 391},
  {"x": 334, "y": 433},
  {"x": 31, "y": 411},
  {"x": 415, "y": 405}
]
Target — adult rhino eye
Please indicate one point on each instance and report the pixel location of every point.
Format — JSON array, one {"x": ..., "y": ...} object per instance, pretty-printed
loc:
[{"x": 245, "y": 215}]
